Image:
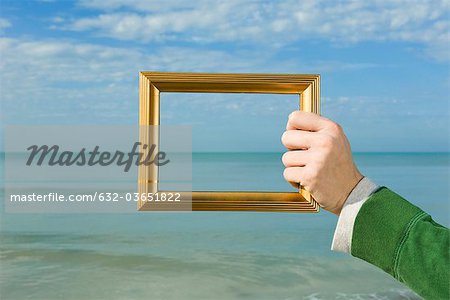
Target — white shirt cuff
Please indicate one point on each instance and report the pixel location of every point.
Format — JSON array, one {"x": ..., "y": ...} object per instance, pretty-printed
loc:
[{"x": 342, "y": 239}]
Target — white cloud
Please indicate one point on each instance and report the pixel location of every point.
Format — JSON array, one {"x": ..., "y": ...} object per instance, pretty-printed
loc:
[
  {"x": 57, "y": 81},
  {"x": 274, "y": 23},
  {"x": 4, "y": 23},
  {"x": 75, "y": 62},
  {"x": 73, "y": 80},
  {"x": 139, "y": 5}
]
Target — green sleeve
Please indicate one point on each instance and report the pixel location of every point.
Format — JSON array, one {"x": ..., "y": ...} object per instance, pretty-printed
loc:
[{"x": 400, "y": 238}]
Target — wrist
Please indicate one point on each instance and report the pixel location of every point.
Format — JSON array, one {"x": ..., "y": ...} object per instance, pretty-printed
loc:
[{"x": 355, "y": 179}]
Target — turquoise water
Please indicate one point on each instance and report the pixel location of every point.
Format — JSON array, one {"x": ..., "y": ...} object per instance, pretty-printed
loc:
[{"x": 211, "y": 255}]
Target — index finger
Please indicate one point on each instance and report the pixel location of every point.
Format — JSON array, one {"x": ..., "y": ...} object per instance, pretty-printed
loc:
[{"x": 305, "y": 121}]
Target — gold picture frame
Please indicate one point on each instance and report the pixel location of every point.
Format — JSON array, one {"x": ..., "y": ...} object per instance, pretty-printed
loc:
[{"x": 151, "y": 84}]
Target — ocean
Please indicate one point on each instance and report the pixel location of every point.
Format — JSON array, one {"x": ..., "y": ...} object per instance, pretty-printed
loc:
[{"x": 211, "y": 255}]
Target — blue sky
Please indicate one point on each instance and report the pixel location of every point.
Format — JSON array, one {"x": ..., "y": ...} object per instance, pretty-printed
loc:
[{"x": 384, "y": 66}]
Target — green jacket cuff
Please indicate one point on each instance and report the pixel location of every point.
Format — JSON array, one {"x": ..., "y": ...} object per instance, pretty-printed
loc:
[
  {"x": 398, "y": 237},
  {"x": 380, "y": 226}
]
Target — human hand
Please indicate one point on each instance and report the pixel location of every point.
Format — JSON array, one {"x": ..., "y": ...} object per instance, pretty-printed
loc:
[{"x": 320, "y": 159}]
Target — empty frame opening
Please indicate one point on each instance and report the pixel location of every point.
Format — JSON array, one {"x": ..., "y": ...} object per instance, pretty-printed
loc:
[{"x": 236, "y": 138}]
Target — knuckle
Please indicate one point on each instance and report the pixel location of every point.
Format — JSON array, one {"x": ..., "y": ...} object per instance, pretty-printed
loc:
[
  {"x": 287, "y": 174},
  {"x": 290, "y": 175},
  {"x": 285, "y": 159},
  {"x": 293, "y": 114},
  {"x": 335, "y": 127},
  {"x": 284, "y": 138}
]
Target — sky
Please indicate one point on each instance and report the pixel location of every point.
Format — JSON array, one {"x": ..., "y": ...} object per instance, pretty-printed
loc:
[{"x": 384, "y": 66}]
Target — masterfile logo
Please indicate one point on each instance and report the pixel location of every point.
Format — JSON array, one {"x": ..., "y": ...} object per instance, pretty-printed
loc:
[{"x": 52, "y": 156}]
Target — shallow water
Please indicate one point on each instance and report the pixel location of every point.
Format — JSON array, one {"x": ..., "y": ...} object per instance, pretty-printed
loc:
[{"x": 211, "y": 255}]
